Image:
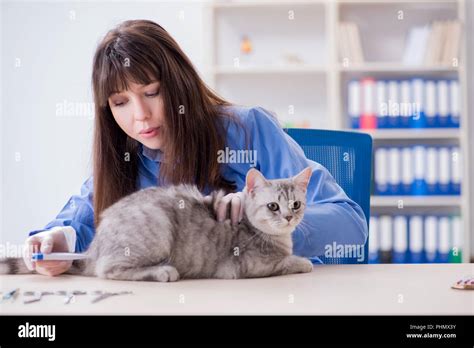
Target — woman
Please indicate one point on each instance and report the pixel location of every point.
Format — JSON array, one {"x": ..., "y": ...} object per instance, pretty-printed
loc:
[{"x": 157, "y": 123}]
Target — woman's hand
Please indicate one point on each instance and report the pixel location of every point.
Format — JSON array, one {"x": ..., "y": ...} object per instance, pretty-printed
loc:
[
  {"x": 233, "y": 202},
  {"x": 47, "y": 242}
]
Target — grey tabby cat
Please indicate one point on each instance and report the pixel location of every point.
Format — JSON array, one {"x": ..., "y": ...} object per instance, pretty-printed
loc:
[{"x": 167, "y": 233}]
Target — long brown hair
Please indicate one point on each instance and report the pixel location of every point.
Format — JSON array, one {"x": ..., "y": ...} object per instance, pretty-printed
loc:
[{"x": 141, "y": 51}]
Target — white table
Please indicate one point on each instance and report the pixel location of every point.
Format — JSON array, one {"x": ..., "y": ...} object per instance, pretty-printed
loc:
[{"x": 333, "y": 289}]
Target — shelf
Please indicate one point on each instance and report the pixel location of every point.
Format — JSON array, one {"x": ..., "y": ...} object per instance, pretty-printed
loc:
[
  {"x": 277, "y": 69},
  {"x": 381, "y": 2},
  {"x": 415, "y": 201},
  {"x": 426, "y": 133},
  {"x": 273, "y": 3},
  {"x": 397, "y": 68},
  {"x": 376, "y": 67},
  {"x": 278, "y": 44}
]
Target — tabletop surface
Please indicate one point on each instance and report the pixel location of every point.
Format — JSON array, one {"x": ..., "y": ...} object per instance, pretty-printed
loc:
[{"x": 399, "y": 289}]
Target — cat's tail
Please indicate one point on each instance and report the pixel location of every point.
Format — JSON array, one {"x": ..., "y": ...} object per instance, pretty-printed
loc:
[
  {"x": 79, "y": 267},
  {"x": 16, "y": 265},
  {"x": 13, "y": 265}
]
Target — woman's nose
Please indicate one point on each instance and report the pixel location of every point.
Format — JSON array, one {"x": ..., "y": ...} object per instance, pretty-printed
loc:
[{"x": 140, "y": 110}]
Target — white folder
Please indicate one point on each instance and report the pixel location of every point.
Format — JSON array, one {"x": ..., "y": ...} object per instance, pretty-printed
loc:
[
  {"x": 431, "y": 232},
  {"x": 443, "y": 102}
]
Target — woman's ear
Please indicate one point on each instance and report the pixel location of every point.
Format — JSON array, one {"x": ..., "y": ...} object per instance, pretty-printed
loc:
[
  {"x": 302, "y": 178},
  {"x": 254, "y": 179}
]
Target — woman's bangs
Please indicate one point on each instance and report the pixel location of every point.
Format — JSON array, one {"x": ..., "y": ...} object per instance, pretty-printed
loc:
[{"x": 118, "y": 73}]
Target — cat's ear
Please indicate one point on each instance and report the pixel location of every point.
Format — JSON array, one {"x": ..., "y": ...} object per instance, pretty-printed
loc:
[
  {"x": 254, "y": 179},
  {"x": 301, "y": 180}
]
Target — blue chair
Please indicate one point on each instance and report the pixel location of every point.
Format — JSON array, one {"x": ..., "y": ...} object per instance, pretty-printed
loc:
[{"x": 348, "y": 157}]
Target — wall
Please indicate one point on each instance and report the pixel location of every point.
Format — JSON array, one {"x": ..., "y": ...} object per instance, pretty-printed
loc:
[{"x": 46, "y": 57}]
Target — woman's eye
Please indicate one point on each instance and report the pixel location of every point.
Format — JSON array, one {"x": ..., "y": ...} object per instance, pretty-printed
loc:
[
  {"x": 296, "y": 205},
  {"x": 152, "y": 94},
  {"x": 273, "y": 206},
  {"x": 118, "y": 103}
]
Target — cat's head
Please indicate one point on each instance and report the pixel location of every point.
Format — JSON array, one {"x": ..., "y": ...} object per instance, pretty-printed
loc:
[{"x": 277, "y": 206}]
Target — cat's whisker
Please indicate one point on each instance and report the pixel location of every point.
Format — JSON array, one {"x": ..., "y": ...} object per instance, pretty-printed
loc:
[
  {"x": 248, "y": 240},
  {"x": 304, "y": 227},
  {"x": 267, "y": 239}
]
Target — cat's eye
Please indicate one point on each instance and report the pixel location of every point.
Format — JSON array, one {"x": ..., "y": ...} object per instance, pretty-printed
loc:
[
  {"x": 296, "y": 205},
  {"x": 273, "y": 206}
]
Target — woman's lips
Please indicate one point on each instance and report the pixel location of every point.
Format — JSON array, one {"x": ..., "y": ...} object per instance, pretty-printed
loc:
[{"x": 150, "y": 132}]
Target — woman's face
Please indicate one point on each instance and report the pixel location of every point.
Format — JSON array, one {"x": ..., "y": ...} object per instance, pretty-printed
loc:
[{"x": 139, "y": 111}]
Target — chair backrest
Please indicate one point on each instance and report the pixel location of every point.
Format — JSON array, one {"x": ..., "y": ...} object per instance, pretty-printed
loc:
[{"x": 348, "y": 157}]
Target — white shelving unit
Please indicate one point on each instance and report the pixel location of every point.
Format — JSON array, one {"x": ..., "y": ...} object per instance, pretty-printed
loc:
[
  {"x": 436, "y": 134},
  {"x": 415, "y": 201},
  {"x": 313, "y": 92},
  {"x": 395, "y": 68}
]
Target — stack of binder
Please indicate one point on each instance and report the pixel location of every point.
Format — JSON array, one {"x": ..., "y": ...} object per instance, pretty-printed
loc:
[
  {"x": 415, "y": 239},
  {"x": 412, "y": 103},
  {"x": 418, "y": 170}
]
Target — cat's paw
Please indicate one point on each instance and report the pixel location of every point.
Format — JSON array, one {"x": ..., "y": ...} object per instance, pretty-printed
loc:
[
  {"x": 166, "y": 274},
  {"x": 226, "y": 270},
  {"x": 306, "y": 266},
  {"x": 295, "y": 264}
]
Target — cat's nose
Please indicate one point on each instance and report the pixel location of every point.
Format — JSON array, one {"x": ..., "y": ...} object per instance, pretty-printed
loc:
[{"x": 289, "y": 217}]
